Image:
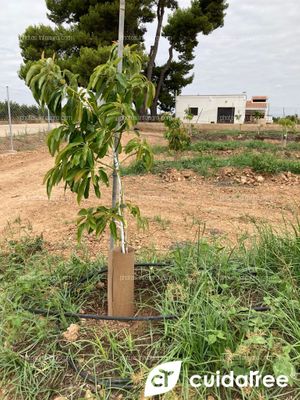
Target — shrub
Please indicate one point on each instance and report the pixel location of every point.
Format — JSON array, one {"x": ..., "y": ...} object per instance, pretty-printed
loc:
[{"x": 176, "y": 133}]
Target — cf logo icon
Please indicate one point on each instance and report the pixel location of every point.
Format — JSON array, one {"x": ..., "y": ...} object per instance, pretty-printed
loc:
[{"x": 162, "y": 378}]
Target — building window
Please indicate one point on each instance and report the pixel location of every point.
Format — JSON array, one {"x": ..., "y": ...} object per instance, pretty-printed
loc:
[{"x": 193, "y": 110}]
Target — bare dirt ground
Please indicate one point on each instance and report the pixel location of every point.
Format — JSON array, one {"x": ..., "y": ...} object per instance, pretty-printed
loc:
[{"x": 177, "y": 208}]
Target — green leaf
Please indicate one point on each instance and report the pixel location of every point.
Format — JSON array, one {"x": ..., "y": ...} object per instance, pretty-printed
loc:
[
  {"x": 80, "y": 230},
  {"x": 79, "y": 175},
  {"x": 260, "y": 340},
  {"x": 81, "y": 190},
  {"x": 113, "y": 230},
  {"x": 284, "y": 366},
  {"x": 211, "y": 339},
  {"x": 83, "y": 212},
  {"x": 131, "y": 145},
  {"x": 103, "y": 176},
  {"x": 121, "y": 79},
  {"x": 215, "y": 337}
]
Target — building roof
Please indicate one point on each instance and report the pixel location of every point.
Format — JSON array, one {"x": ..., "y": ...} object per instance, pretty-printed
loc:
[
  {"x": 250, "y": 105},
  {"x": 212, "y": 95},
  {"x": 259, "y": 97}
]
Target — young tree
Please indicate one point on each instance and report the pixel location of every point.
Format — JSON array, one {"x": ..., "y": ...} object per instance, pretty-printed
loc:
[
  {"x": 83, "y": 142},
  {"x": 257, "y": 117},
  {"x": 84, "y": 29},
  {"x": 238, "y": 117},
  {"x": 287, "y": 125},
  {"x": 176, "y": 134},
  {"x": 189, "y": 117}
]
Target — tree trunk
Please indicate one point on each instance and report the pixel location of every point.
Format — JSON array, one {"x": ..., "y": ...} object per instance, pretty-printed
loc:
[
  {"x": 154, "y": 48},
  {"x": 285, "y": 138},
  {"x": 160, "y": 82}
]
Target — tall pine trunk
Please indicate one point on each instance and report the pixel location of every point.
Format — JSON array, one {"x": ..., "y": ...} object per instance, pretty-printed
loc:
[
  {"x": 160, "y": 82},
  {"x": 154, "y": 48}
]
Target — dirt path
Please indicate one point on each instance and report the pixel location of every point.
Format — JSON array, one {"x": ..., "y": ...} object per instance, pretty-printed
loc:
[
  {"x": 21, "y": 129},
  {"x": 175, "y": 209}
]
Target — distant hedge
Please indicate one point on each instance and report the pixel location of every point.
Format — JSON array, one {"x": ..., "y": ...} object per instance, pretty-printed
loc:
[{"x": 21, "y": 112}]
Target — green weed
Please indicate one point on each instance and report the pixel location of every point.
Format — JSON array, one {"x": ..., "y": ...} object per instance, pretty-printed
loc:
[
  {"x": 208, "y": 164},
  {"x": 210, "y": 288}
]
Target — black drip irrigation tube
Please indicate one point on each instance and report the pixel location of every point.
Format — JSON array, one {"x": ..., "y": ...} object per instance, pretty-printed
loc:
[
  {"x": 258, "y": 309},
  {"x": 103, "y": 270},
  {"x": 109, "y": 383},
  {"x": 97, "y": 317},
  {"x": 100, "y": 317},
  {"x": 118, "y": 382}
]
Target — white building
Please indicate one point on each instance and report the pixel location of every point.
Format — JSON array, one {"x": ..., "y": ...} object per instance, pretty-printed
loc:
[{"x": 208, "y": 109}]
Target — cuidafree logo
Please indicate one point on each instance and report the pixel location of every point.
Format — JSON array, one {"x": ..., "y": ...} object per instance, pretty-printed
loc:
[{"x": 162, "y": 378}]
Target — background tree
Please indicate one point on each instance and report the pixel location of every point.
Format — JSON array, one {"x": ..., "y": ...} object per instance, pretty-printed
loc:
[
  {"x": 84, "y": 30},
  {"x": 295, "y": 118},
  {"x": 287, "y": 125},
  {"x": 182, "y": 30},
  {"x": 176, "y": 78},
  {"x": 89, "y": 29}
]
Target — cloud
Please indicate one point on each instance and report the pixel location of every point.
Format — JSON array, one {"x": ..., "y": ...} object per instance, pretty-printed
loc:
[
  {"x": 257, "y": 50},
  {"x": 15, "y": 16}
]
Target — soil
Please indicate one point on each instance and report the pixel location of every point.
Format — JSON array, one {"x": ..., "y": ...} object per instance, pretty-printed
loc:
[{"x": 178, "y": 204}]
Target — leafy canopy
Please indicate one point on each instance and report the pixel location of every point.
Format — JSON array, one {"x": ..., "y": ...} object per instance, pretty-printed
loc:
[{"x": 89, "y": 120}]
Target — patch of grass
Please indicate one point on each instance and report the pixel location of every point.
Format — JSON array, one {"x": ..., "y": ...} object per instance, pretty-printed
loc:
[
  {"x": 32, "y": 365},
  {"x": 293, "y": 146},
  {"x": 162, "y": 222},
  {"x": 215, "y": 135},
  {"x": 206, "y": 145},
  {"x": 208, "y": 164},
  {"x": 210, "y": 145},
  {"x": 264, "y": 162},
  {"x": 158, "y": 149},
  {"x": 210, "y": 288},
  {"x": 258, "y": 145},
  {"x": 135, "y": 168},
  {"x": 202, "y": 165}
]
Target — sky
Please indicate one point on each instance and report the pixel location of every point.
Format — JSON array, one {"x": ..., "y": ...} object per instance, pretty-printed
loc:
[{"x": 257, "y": 51}]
